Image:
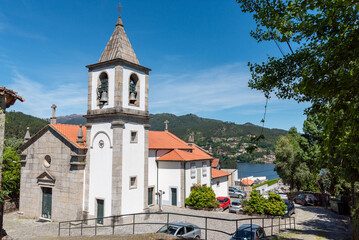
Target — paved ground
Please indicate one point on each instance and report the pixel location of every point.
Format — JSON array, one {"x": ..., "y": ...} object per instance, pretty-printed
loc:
[
  {"x": 314, "y": 223},
  {"x": 311, "y": 223}
]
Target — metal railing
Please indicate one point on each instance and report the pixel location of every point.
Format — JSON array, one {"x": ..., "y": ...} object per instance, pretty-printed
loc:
[{"x": 112, "y": 222}]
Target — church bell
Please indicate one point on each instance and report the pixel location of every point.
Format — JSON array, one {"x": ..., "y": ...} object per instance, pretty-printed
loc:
[
  {"x": 103, "y": 98},
  {"x": 132, "y": 97}
]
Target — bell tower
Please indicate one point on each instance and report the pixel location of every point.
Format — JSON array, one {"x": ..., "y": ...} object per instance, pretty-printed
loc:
[{"x": 117, "y": 130}]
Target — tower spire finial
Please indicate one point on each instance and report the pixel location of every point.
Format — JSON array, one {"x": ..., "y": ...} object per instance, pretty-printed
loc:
[{"x": 119, "y": 9}]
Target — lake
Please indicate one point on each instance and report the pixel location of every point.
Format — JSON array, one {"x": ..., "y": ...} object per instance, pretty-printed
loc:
[{"x": 256, "y": 170}]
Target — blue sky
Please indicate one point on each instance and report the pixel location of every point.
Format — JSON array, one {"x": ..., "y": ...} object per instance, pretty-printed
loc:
[{"x": 198, "y": 52}]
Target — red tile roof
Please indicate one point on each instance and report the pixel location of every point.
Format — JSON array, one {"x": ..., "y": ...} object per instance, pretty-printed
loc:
[
  {"x": 70, "y": 133},
  {"x": 247, "y": 182},
  {"x": 180, "y": 155},
  {"x": 218, "y": 173},
  {"x": 215, "y": 162},
  {"x": 200, "y": 151},
  {"x": 165, "y": 140}
]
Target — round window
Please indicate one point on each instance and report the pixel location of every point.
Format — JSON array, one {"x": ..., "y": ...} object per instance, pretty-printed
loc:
[
  {"x": 101, "y": 143},
  {"x": 47, "y": 161}
]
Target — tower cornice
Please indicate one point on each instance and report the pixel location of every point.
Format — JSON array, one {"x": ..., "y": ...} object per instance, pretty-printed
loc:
[{"x": 119, "y": 61}]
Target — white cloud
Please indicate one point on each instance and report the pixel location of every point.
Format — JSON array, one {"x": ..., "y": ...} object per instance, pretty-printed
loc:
[
  {"x": 209, "y": 90},
  {"x": 68, "y": 97}
]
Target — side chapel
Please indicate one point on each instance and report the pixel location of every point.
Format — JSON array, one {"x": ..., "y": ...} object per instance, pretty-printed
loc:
[{"x": 114, "y": 165}]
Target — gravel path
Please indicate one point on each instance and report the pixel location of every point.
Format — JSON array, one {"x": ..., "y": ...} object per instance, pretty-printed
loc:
[{"x": 310, "y": 222}]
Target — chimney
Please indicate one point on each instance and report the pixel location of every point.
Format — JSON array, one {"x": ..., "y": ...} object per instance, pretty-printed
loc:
[
  {"x": 27, "y": 135},
  {"x": 53, "y": 118},
  {"x": 210, "y": 150},
  {"x": 191, "y": 139},
  {"x": 80, "y": 135}
]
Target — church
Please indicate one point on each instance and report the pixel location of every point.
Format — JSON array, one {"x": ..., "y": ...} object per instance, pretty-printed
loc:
[{"x": 114, "y": 165}]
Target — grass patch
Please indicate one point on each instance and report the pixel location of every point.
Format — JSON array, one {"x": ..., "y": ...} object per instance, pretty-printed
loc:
[{"x": 269, "y": 182}]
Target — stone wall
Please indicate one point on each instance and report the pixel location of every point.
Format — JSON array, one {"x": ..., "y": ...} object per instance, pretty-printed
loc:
[
  {"x": 11, "y": 205},
  {"x": 65, "y": 178}
]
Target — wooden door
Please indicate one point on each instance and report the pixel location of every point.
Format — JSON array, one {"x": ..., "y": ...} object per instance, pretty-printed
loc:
[{"x": 46, "y": 202}]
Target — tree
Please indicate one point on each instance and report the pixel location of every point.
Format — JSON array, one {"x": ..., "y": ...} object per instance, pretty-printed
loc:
[
  {"x": 289, "y": 161},
  {"x": 323, "y": 69},
  {"x": 11, "y": 172}
]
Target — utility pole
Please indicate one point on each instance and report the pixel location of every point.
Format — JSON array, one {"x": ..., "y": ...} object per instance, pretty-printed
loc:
[{"x": 7, "y": 98}]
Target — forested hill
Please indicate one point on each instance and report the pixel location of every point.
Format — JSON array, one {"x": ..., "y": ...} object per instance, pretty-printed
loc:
[
  {"x": 16, "y": 123},
  {"x": 207, "y": 131},
  {"x": 182, "y": 126}
]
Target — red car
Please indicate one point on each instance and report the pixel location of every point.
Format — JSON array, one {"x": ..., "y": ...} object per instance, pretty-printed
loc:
[{"x": 224, "y": 202}]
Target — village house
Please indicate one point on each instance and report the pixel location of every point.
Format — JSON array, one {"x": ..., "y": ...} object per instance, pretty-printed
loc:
[{"x": 114, "y": 165}]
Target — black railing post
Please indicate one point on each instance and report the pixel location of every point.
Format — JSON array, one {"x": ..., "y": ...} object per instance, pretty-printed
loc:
[
  {"x": 251, "y": 229},
  {"x": 133, "y": 224},
  {"x": 263, "y": 223},
  {"x": 81, "y": 226},
  {"x": 113, "y": 225},
  {"x": 279, "y": 225},
  {"x": 272, "y": 228},
  {"x": 294, "y": 223},
  {"x": 285, "y": 223},
  {"x": 59, "y": 229},
  {"x": 236, "y": 229},
  {"x": 95, "y": 226},
  {"x": 69, "y": 228},
  {"x": 205, "y": 231},
  {"x": 168, "y": 219}
]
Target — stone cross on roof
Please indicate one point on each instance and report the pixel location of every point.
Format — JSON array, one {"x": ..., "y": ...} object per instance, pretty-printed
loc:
[
  {"x": 166, "y": 125},
  {"x": 119, "y": 9}
]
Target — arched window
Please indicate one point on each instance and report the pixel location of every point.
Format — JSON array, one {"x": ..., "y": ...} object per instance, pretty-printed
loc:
[
  {"x": 102, "y": 89},
  {"x": 134, "y": 86},
  {"x": 47, "y": 161}
]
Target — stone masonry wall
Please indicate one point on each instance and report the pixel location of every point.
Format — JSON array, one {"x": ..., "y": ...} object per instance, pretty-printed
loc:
[{"x": 67, "y": 192}]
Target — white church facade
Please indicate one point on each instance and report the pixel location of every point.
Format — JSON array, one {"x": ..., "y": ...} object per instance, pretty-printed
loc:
[{"x": 114, "y": 165}]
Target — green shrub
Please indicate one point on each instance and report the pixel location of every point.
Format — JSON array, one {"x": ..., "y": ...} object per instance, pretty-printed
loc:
[
  {"x": 269, "y": 182},
  {"x": 202, "y": 197},
  {"x": 256, "y": 203},
  {"x": 275, "y": 205}
]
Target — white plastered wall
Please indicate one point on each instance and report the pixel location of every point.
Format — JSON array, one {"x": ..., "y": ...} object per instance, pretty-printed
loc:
[
  {"x": 100, "y": 184},
  {"x": 125, "y": 90},
  {"x": 169, "y": 176},
  {"x": 193, "y": 181},
  {"x": 133, "y": 165},
  {"x": 111, "y": 87},
  {"x": 220, "y": 186}
]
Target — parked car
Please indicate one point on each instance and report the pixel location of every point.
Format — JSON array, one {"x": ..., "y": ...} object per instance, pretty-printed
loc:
[
  {"x": 290, "y": 208},
  {"x": 246, "y": 232},
  {"x": 182, "y": 229},
  {"x": 224, "y": 202},
  {"x": 236, "y": 206},
  {"x": 236, "y": 193},
  {"x": 284, "y": 196},
  {"x": 305, "y": 199}
]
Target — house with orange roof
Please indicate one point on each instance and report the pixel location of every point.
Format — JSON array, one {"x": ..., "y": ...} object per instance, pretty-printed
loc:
[{"x": 114, "y": 165}]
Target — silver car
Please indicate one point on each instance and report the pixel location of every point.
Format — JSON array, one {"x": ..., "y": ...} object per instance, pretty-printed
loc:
[
  {"x": 236, "y": 206},
  {"x": 236, "y": 193},
  {"x": 182, "y": 229}
]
